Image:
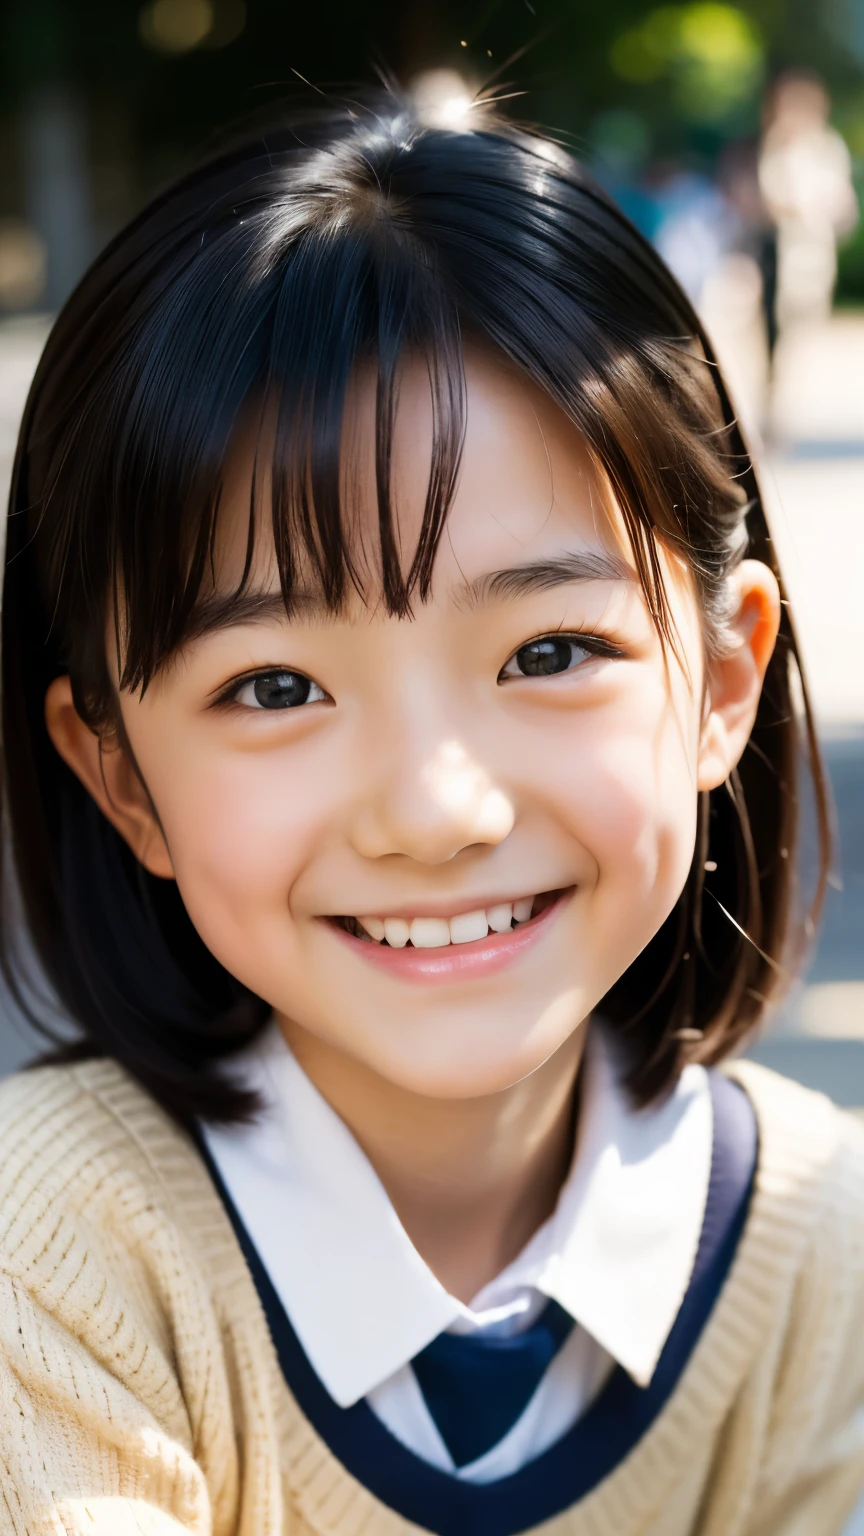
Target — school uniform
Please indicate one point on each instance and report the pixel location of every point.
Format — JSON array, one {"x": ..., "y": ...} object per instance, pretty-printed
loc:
[
  {"x": 614, "y": 1261},
  {"x": 238, "y": 1338}
]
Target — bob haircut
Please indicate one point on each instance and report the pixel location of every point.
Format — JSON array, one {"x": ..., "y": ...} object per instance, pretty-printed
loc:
[{"x": 338, "y": 239}]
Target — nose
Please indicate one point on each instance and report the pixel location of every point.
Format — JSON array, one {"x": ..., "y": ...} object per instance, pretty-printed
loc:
[{"x": 434, "y": 809}]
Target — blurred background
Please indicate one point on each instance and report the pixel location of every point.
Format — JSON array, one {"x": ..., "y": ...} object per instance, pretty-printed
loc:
[{"x": 732, "y": 134}]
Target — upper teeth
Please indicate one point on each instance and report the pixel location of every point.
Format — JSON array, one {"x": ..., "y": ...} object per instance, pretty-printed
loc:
[{"x": 435, "y": 932}]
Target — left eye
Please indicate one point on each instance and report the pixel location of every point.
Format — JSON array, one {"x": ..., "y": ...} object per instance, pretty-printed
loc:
[
  {"x": 546, "y": 657},
  {"x": 279, "y": 690}
]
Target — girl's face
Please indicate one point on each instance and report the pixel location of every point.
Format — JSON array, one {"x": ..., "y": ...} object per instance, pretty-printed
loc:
[{"x": 522, "y": 745}]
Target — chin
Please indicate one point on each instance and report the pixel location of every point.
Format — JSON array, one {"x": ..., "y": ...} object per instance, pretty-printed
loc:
[
  {"x": 472, "y": 1065},
  {"x": 455, "y": 1081}
]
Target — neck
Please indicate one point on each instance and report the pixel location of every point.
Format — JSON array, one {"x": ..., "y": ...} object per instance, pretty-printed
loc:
[{"x": 471, "y": 1180}]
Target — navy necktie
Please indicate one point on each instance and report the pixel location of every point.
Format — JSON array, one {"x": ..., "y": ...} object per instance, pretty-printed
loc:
[{"x": 476, "y": 1387}]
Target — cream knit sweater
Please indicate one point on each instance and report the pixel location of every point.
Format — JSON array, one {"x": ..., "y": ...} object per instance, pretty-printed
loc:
[{"x": 139, "y": 1390}]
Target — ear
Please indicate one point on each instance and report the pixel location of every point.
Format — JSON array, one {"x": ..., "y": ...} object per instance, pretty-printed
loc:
[
  {"x": 110, "y": 776},
  {"x": 734, "y": 681}
]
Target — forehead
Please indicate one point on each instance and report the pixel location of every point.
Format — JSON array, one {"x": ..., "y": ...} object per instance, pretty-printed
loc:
[{"x": 527, "y": 487}]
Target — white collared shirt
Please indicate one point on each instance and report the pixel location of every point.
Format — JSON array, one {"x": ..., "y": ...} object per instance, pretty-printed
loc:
[{"x": 617, "y": 1253}]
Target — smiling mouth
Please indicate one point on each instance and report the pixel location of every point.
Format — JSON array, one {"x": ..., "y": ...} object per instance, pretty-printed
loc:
[{"x": 444, "y": 932}]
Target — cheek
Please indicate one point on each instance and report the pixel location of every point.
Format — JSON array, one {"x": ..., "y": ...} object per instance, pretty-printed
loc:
[
  {"x": 645, "y": 820},
  {"x": 627, "y": 789},
  {"x": 240, "y": 828}
]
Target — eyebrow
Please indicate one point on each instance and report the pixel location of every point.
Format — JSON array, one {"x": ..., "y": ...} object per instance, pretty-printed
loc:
[
  {"x": 218, "y": 611},
  {"x": 231, "y": 610},
  {"x": 539, "y": 575}
]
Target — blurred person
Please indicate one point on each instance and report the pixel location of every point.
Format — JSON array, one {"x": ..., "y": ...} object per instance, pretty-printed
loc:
[
  {"x": 756, "y": 240},
  {"x": 805, "y": 177},
  {"x": 402, "y": 770},
  {"x": 696, "y": 226},
  {"x": 704, "y": 234},
  {"x": 733, "y": 298}
]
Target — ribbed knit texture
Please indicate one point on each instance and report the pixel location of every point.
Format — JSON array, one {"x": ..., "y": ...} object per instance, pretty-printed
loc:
[{"x": 139, "y": 1390}]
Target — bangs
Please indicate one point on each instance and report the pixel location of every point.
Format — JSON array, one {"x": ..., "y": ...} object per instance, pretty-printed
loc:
[
  {"x": 284, "y": 354},
  {"x": 274, "y": 291}
]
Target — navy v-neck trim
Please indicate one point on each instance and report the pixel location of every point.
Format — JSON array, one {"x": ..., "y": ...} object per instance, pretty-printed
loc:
[{"x": 596, "y": 1444}]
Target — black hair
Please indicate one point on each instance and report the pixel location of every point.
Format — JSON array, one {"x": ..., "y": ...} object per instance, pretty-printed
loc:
[{"x": 339, "y": 238}]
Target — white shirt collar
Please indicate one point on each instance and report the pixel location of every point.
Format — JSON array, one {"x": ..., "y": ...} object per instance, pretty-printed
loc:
[{"x": 617, "y": 1252}]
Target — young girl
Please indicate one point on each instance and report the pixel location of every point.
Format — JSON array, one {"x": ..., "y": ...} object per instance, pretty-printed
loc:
[{"x": 400, "y": 775}]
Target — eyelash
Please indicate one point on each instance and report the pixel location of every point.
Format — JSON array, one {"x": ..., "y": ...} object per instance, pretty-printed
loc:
[
  {"x": 591, "y": 645},
  {"x": 230, "y": 696}
]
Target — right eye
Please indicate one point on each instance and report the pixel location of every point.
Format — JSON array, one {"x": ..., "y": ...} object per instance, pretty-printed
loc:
[{"x": 278, "y": 690}]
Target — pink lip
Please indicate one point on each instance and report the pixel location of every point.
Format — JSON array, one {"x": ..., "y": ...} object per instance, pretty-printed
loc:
[{"x": 455, "y": 962}]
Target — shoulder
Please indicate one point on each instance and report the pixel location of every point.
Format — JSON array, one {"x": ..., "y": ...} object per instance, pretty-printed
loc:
[
  {"x": 121, "y": 1290},
  {"x": 70, "y": 1130},
  {"x": 797, "y": 1294},
  {"x": 115, "y": 1251},
  {"x": 808, "y": 1204},
  {"x": 812, "y": 1149},
  {"x": 38, "y": 1102},
  {"x": 91, "y": 1168}
]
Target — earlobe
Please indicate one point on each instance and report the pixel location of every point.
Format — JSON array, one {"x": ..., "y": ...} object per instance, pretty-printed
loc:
[
  {"x": 110, "y": 777},
  {"x": 735, "y": 679}
]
